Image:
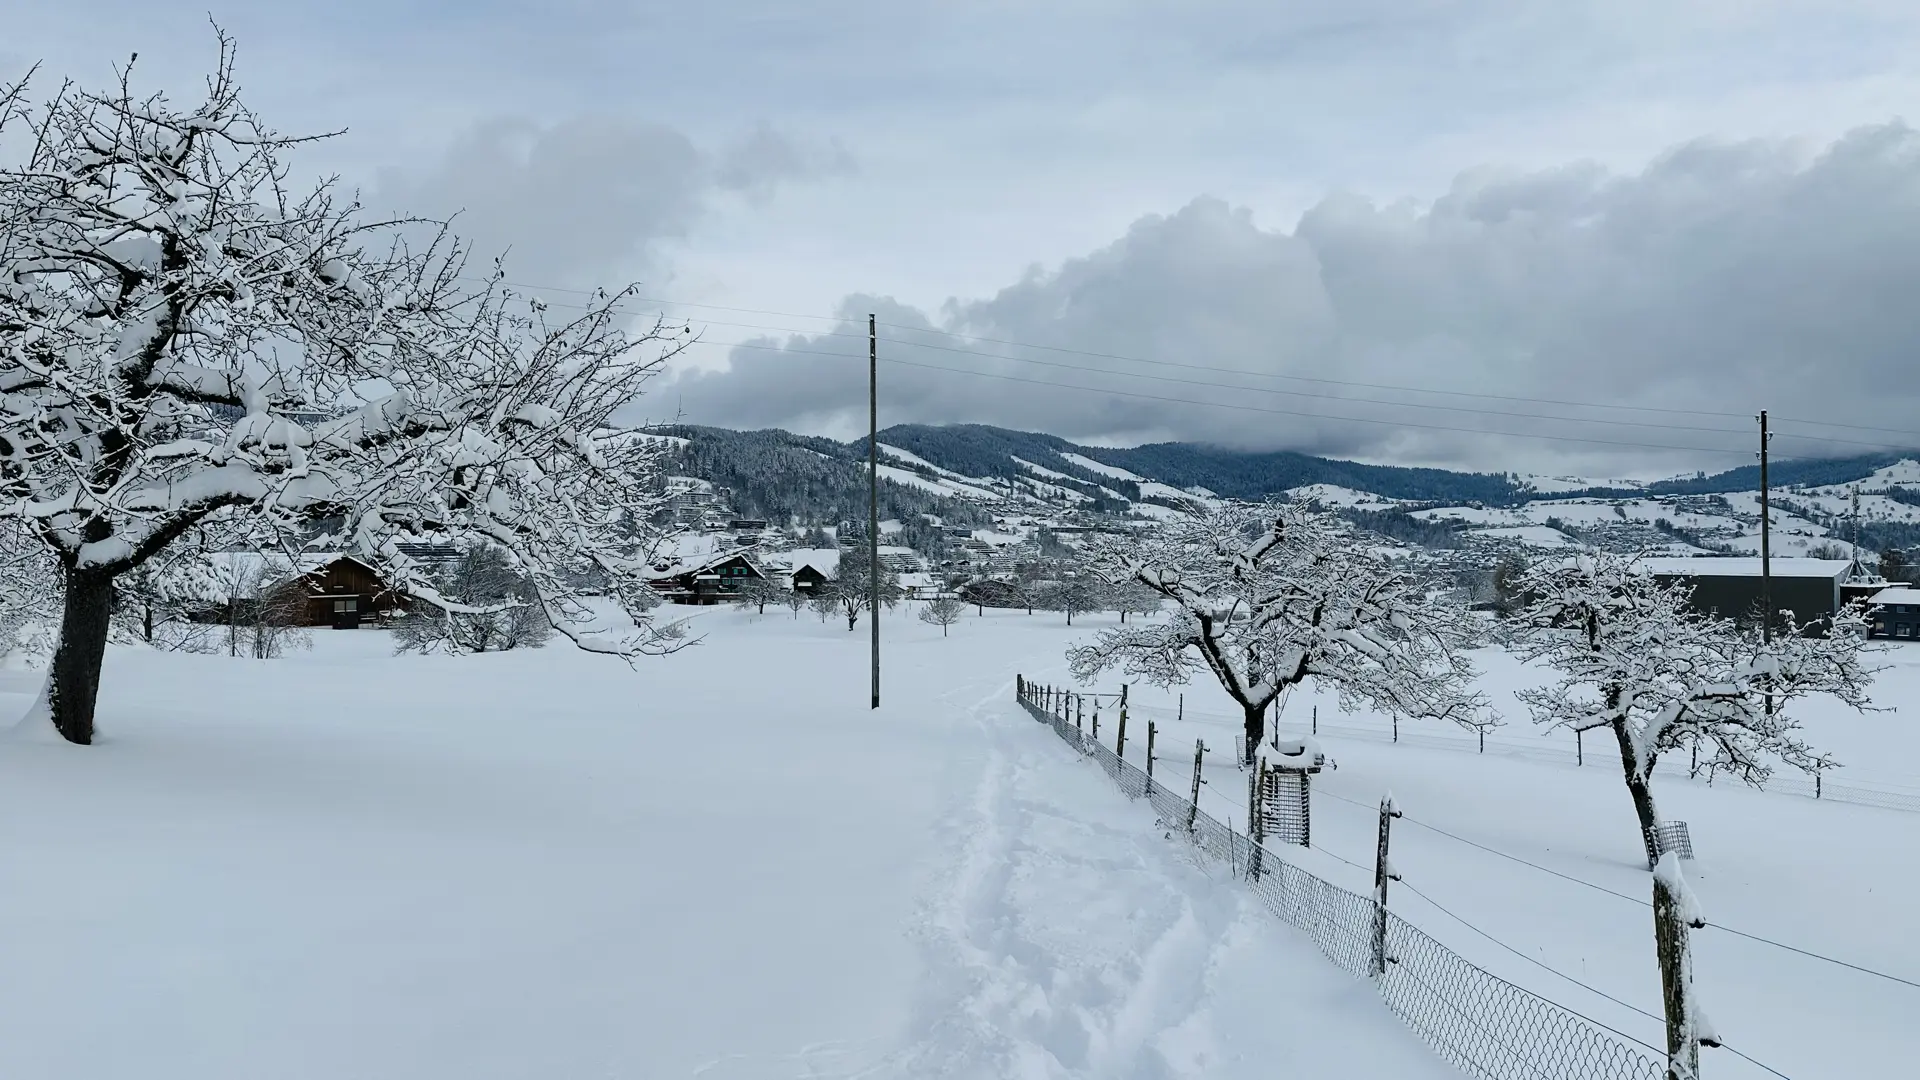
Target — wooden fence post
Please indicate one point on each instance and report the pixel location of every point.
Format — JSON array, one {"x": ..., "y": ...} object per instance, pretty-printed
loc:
[
  {"x": 1096, "y": 721},
  {"x": 1316, "y": 719},
  {"x": 1579, "y": 747},
  {"x": 1675, "y": 916},
  {"x": 1019, "y": 687},
  {"x": 1382, "y": 873},
  {"x": 1483, "y": 740},
  {"x": 1152, "y": 731},
  {"x": 1120, "y": 737},
  {"x": 1199, "y": 755},
  {"x": 1396, "y": 728},
  {"x": 1256, "y": 822},
  {"x": 1180, "y": 711}
]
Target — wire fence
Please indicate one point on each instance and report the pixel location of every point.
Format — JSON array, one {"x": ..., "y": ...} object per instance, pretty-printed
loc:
[
  {"x": 1482, "y": 1024},
  {"x": 1595, "y": 749}
]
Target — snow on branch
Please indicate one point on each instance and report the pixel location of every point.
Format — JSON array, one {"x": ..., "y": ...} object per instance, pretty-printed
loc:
[
  {"x": 186, "y": 333},
  {"x": 1269, "y": 596},
  {"x": 1634, "y": 656}
]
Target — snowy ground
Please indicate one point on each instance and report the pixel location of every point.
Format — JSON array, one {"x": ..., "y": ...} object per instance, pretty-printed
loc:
[
  {"x": 719, "y": 865},
  {"x": 1822, "y": 876}
]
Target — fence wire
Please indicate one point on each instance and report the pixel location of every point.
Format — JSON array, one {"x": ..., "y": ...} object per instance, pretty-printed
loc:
[
  {"x": 1485, "y": 1026},
  {"x": 1597, "y": 751}
]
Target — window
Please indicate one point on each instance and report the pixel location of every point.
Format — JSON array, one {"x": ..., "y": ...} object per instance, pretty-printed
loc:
[
  {"x": 351, "y": 603},
  {"x": 1903, "y": 630}
]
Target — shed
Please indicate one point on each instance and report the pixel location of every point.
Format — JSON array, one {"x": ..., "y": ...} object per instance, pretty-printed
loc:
[{"x": 1730, "y": 587}]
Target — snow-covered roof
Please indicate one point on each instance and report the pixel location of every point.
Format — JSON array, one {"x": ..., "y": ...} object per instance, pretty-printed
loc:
[
  {"x": 1899, "y": 594},
  {"x": 1741, "y": 567}
]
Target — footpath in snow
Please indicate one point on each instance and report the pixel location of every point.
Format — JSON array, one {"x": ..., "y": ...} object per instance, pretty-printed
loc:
[{"x": 543, "y": 864}]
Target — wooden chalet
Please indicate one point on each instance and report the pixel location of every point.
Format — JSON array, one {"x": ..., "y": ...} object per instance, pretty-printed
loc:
[
  {"x": 713, "y": 580},
  {"x": 344, "y": 592},
  {"x": 808, "y": 578}
]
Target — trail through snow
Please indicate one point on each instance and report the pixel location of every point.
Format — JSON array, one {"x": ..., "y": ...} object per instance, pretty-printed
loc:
[{"x": 1073, "y": 938}]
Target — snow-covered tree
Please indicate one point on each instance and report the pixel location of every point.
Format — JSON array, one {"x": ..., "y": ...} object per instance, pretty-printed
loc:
[
  {"x": 943, "y": 612},
  {"x": 188, "y": 336},
  {"x": 481, "y": 602},
  {"x": 1076, "y": 593},
  {"x": 1267, "y": 597},
  {"x": 1635, "y": 658},
  {"x": 757, "y": 593},
  {"x": 1132, "y": 598},
  {"x": 850, "y": 591}
]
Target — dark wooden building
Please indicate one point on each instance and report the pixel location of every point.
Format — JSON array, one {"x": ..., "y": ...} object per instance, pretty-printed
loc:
[
  {"x": 713, "y": 580},
  {"x": 808, "y": 578},
  {"x": 346, "y": 592},
  {"x": 1730, "y": 587}
]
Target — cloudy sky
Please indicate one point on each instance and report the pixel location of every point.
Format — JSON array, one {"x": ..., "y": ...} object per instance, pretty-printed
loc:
[{"x": 1398, "y": 230}]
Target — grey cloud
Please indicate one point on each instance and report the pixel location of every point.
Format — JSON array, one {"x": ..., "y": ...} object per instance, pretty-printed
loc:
[
  {"x": 585, "y": 198},
  {"x": 1723, "y": 278}
]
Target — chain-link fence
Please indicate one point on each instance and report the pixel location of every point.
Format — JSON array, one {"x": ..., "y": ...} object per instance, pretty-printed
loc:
[
  {"x": 1597, "y": 749},
  {"x": 1484, "y": 1025}
]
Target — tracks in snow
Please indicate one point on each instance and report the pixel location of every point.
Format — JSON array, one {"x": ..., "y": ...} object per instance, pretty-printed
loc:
[{"x": 1056, "y": 945}]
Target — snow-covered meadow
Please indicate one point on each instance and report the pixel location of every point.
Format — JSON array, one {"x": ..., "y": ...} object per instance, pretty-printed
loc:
[
  {"x": 722, "y": 864},
  {"x": 717, "y": 864}
]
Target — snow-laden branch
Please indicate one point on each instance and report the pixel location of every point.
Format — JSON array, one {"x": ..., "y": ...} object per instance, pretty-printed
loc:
[{"x": 1269, "y": 596}]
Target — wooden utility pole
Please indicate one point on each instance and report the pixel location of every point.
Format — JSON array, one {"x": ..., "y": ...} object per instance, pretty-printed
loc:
[
  {"x": 1766, "y": 561},
  {"x": 1766, "y": 545},
  {"x": 873, "y": 495}
]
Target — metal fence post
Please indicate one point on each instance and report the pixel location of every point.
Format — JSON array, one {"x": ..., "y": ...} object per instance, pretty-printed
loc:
[
  {"x": 1120, "y": 737},
  {"x": 1180, "y": 710},
  {"x": 1579, "y": 747},
  {"x": 1382, "y": 873},
  {"x": 1316, "y": 719},
  {"x": 1199, "y": 755},
  {"x": 1483, "y": 740},
  {"x": 1396, "y": 728},
  {"x": 1152, "y": 731}
]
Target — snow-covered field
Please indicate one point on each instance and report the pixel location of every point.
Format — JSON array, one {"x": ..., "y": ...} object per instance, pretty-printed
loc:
[
  {"x": 544, "y": 864},
  {"x": 723, "y": 865}
]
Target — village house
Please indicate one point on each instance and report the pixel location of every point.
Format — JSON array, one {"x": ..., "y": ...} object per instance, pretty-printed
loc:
[{"x": 704, "y": 580}]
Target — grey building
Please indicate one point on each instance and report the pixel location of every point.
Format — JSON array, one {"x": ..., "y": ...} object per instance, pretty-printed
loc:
[
  {"x": 1896, "y": 614},
  {"x": 1730, "y": 587}
]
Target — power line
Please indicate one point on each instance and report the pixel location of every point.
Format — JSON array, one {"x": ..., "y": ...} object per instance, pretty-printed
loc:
[
  {"x": 1247, "y": 408},
  {"x": 1206, "y": 367}
]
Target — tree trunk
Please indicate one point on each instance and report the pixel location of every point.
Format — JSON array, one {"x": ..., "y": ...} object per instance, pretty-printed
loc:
[
  {"x": 1639, "y": 786},
  {"x": 73, "y": 683},
  {"x": 1256, "y": 730}
]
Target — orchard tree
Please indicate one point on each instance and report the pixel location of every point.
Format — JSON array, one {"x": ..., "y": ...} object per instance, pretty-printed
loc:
[
  {"x": 758, "y": 592},
  {"x": 1076, "y": 593},
  {"x": 1132, "y": 598},
  {"x": 1634, "y": 657},
  {"x": 1269, "y": 596},
  {"x": 187, "y": 335},
  {"x": 943, "y": 612},
  {"x": 850, "y": 592},
  {"x": 482, "y": 602}
]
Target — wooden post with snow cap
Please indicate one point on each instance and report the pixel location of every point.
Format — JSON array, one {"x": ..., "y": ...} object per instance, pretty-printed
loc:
[
  {"x": 1256, "y": 823},
  {"x": 1382, "y": 873},
  {"x": 1676, "y": 914},
  {"x": 1199, "y": 756}
]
